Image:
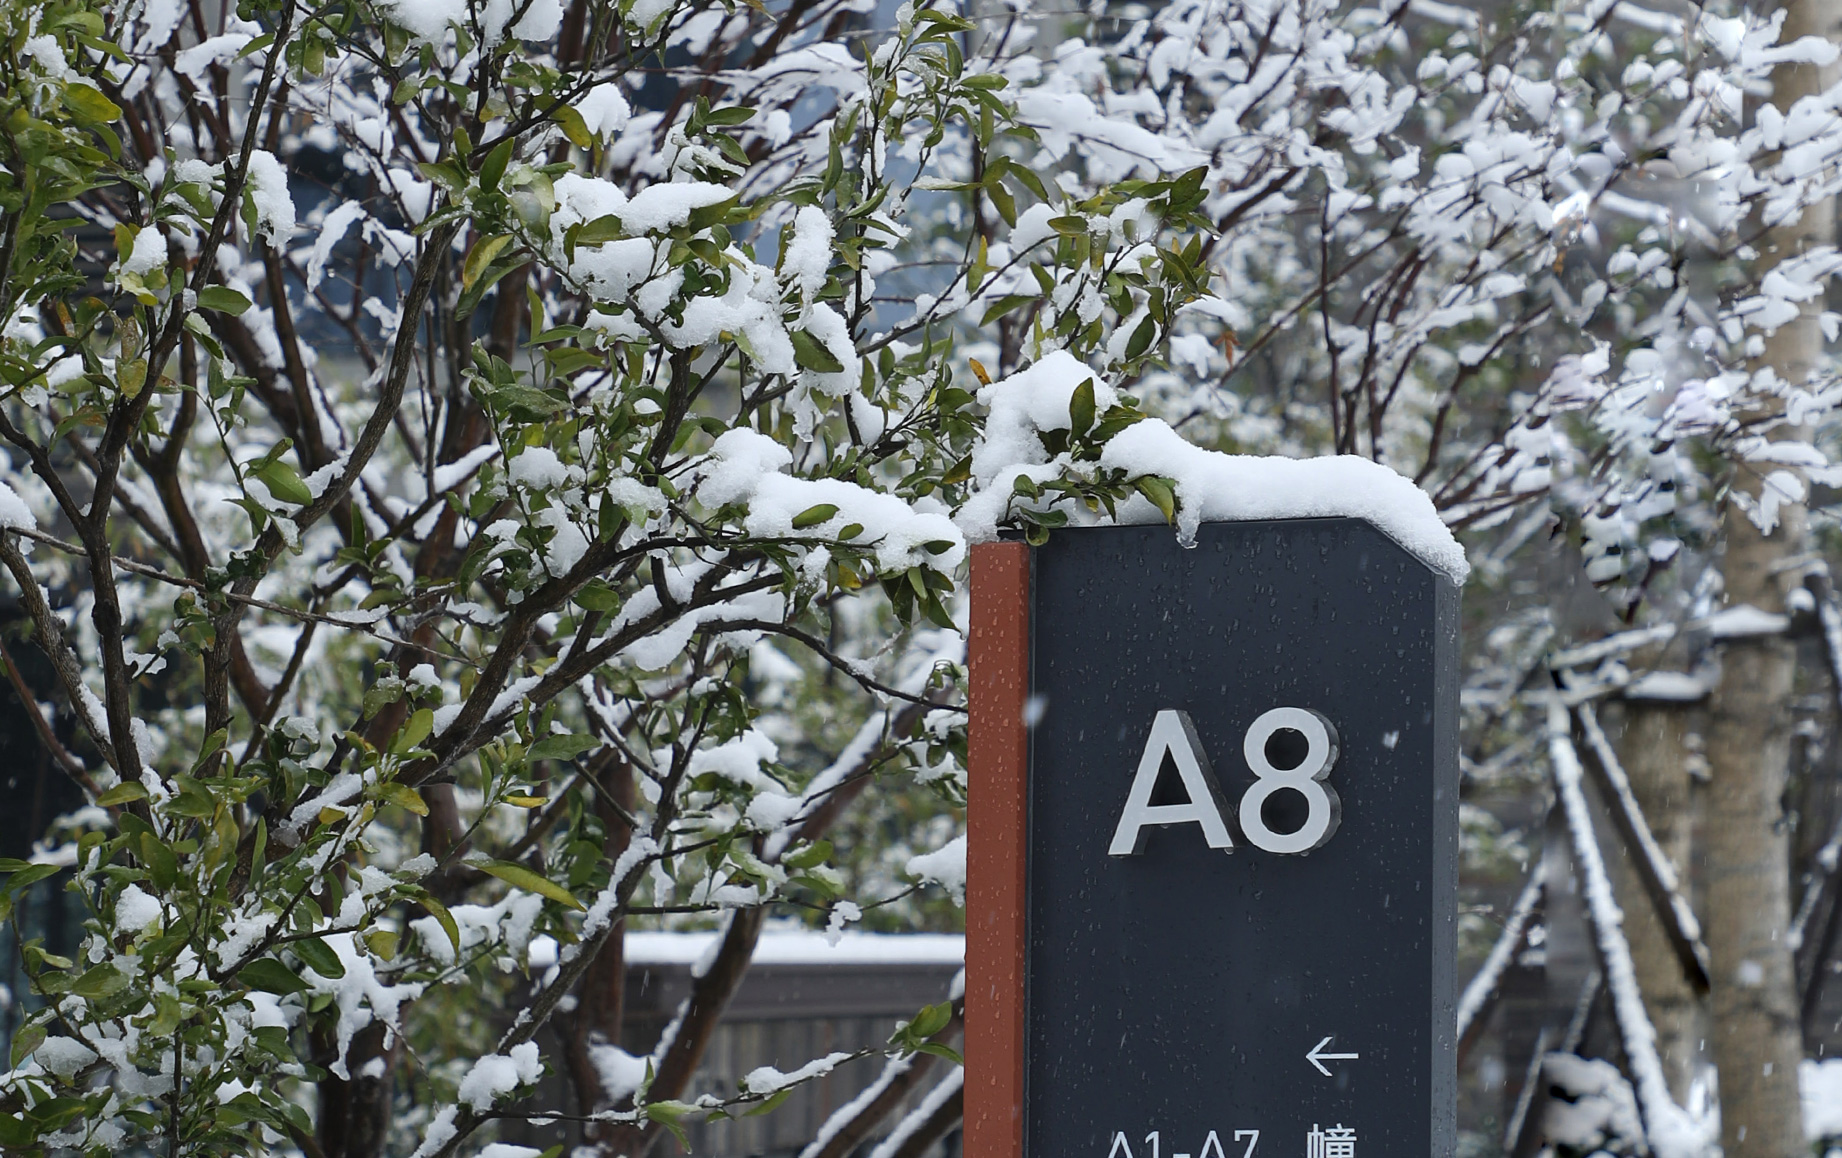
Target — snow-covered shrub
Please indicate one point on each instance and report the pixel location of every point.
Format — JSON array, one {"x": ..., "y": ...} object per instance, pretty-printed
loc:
[{"x": 473, "y": 500}]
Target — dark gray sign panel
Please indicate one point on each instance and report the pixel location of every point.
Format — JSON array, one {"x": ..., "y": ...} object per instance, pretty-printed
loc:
[{"x": 1243, "y": 811}]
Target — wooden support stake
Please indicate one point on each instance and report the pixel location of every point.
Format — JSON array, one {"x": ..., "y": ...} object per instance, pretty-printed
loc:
[{"x": 998, "y": 751}]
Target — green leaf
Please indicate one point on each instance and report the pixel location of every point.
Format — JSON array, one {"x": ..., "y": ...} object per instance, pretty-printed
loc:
[
  {"x": 494, "y": 272},
  {"x": 132, "y": 376},
  {"x": 668, "y": 1111},
  {"x": 284, "y": 483},
  {"x": 1159, "y": 491},
  {"x": 161, "y": 864},
  {"x": 772, "y": 1103},
  {"x": 443, "y": 918},
  {"x": 383, "y": 942},
  {"x": 46, "y": 960},
  {"x": 931, "y": 1019},
  {"x": 258, "y": 852},
  {"x": 521, "y": 877},
  {"x": 215, "y": 742},
  {"x": 1081, "y": 408},
  {"x": 946, "y": 20},
  {"x": 28, "y": 1038},
  {"x": 598, "y": 596},
  {"x": 573, "y": 126},
  {"x": 734, "y": 115},
  {"x": 271, "y": 976},
  {"x": 398, "y": 793},
  {"x": 17, "y": 1134},
  {"x": 1141, "y": 337},
  {"x": 704, "y": 216},
  {"x": 30, "y": 875},
  {"x": 167, "y": 1015},
  {"x": 522, "y": 403},
  {"x": 318, "y": 956},
  {"x": 496, "y": 161},
  {"x": 100, "y": 981},
  {"x": 812, "y": 356},
  {"x": 937, "y": 613},
  {"x": 813, "y": 516},
  {"x": 122, "y": 793},
  {"x": 223, "y": 299},
  {"x": 818, "y": 883},
  {"x": 1005, "y": 203},
  {"x": 448, "y": 174},
  {"x": 1069, "y": 225},
  {"x": 562, "y": 747},
  {"x": 567, "y": 360},
  {"x": 1028, "y": 179},
  {"x": 806, "y": 856},
  {"x": 943, "y": 1051},
  {"x": 555, "y": 334},
  {"x": 1005, "y": 305},
  {"x": 90, "y": 105},
  {"x": 601, "y": 230},
  {"x": 481, "y": 256},
  {"x": 417, "y": 729}
]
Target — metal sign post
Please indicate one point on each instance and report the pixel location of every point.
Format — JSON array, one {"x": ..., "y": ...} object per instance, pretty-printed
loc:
[{"x": 1213, "y": 846}]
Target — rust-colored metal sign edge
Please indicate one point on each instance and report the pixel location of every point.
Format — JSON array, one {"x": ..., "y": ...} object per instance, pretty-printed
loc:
[{"x": 998, "y": 656}]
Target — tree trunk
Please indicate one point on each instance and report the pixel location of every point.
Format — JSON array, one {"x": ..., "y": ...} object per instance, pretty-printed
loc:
[
  {"x": 1756, "y": 1037},
  {"x": 1652, "y": 741}
]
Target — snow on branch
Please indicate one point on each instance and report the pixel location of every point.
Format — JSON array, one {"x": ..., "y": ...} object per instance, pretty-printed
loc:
[
  {"x": 1653, "y": 867},
  {"x": 1667, "y": 1127},
  {"x": 847, "y": 1115},
  {"x": 944, "y": 1098},
  {"x": 1482, "y": 989},
  {"x": 847, "y": 1127},
  {"x": 1741, "y": 622},
  {"x": 1623, "y": 643}
]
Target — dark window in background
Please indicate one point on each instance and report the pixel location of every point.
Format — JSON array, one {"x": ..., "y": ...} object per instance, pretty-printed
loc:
[{"x": 33, "y": 793}]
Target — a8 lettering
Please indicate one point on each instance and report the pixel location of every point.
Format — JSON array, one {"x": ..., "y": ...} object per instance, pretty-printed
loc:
[
  {"x": 1172, "y": 734},
  {"x": 1306, "y": 779}
]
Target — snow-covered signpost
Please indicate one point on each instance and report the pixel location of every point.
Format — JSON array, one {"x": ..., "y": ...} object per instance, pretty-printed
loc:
[{"x": 1214, "y": 837}]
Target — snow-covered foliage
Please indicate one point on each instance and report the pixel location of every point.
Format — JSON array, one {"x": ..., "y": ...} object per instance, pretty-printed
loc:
[
  {"x": 471, "y": 500},
  {"x": 486, "y": 473}
]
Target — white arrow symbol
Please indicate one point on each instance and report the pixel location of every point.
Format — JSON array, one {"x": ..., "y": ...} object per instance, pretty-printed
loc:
[{"x": 1317, "y": 1057}]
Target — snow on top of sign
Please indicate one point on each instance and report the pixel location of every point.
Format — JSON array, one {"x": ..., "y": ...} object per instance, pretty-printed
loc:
[
  {"x": 1229, "y": 487},
  {"x": 1210, "y": 486},
  {"x": 804, "y": 947}
]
